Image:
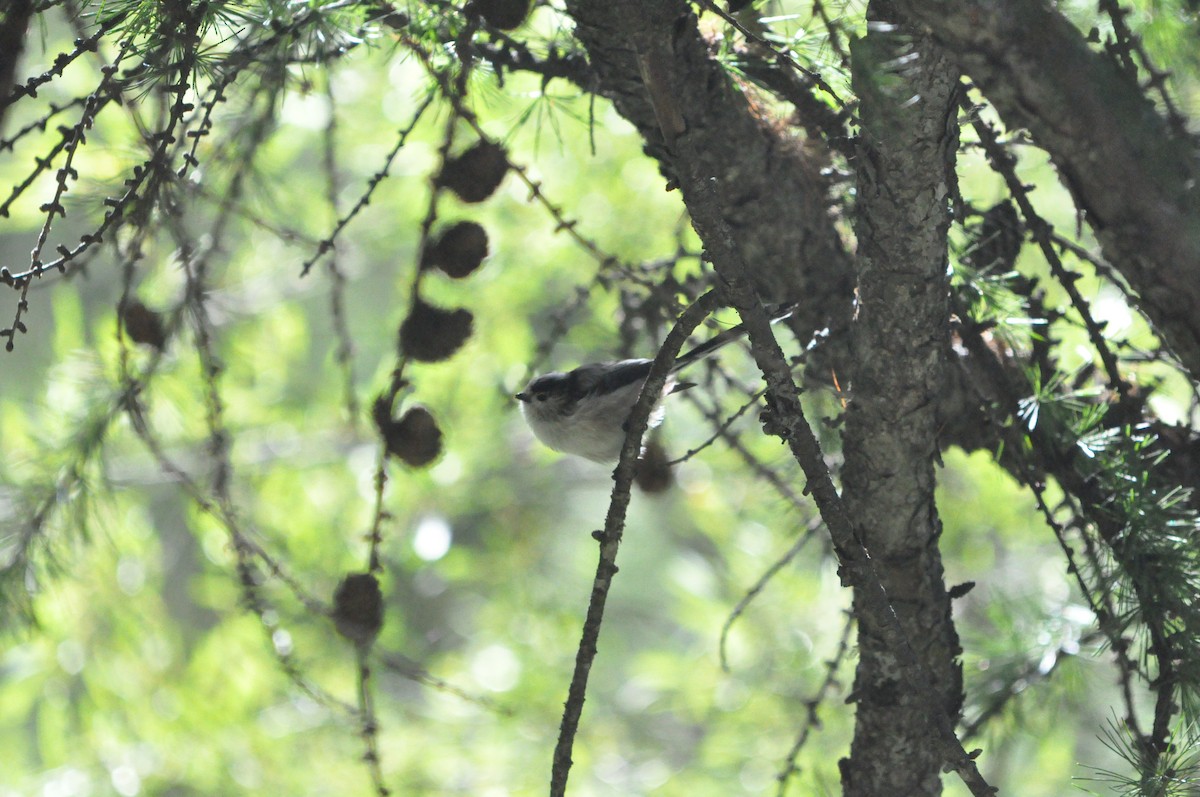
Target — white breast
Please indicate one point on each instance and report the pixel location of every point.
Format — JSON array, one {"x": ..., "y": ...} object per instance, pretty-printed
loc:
[{"x": 596, "y": 430}]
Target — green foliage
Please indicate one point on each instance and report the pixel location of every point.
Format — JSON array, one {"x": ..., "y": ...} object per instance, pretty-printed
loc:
[
  {"x": 175, "y": 519},
  {"x": 1173, "y": 775}
]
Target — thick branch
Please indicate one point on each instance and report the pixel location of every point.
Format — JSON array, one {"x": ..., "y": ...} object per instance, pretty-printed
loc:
[
  {"x": 786, "y": 415},
  {"x": 773, "y": 198},
  {"x": 1137, "y": 183}
]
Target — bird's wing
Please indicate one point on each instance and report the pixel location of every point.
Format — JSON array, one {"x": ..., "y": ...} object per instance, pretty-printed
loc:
[{"x": 606, "y": 377}]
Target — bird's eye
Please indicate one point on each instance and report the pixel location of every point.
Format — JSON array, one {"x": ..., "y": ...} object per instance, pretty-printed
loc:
[{"x": 541, "y": 396}]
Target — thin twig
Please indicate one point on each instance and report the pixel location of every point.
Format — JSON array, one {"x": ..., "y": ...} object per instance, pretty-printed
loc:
[
  {"x": 344, "y": 354},
  {"x": 761, "y": 584},
  {"x": 811, "y": 719},
  {"x": 1004, "y": 164},
  {"x": 721, "y": 429},
  {"x": 783, "y": 55},
  {"x": 614, "y": 524},
  {"x": 364, "y": 199},
  {"x": 369, "y": 723}
]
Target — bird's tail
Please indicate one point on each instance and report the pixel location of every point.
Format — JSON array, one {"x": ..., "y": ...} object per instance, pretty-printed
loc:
[{"x": 778, "y": 313}]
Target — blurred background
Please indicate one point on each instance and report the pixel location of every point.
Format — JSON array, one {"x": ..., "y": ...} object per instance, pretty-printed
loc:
[{"x": 133, "y": 664}]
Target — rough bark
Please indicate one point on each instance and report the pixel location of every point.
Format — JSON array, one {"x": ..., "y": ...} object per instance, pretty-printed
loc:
[
  {"x": 774, "y": 199},
  {"x": 1136, "y": 182},
  {"x": 905, "y": 172},
  {"x": 784, "y": 416},
  {"x": 1040, "y": 74}
]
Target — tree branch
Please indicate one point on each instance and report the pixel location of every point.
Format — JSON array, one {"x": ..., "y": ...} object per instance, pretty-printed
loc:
[
  {"x": 773, "y": 196},
  {"x": 614, "y": 526},
  {"x": 1136, "y": 182},
  {"x": 785, "y": 415}
]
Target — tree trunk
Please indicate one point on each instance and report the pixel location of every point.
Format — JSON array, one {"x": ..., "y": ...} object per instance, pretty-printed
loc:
[{"x": 905, "y": 172}]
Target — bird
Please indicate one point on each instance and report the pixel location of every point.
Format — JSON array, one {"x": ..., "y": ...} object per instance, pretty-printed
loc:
[{"x": 583, "y": 412}]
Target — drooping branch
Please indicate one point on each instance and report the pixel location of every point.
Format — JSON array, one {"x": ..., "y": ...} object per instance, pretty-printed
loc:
[{"x": 614, "y": 526}]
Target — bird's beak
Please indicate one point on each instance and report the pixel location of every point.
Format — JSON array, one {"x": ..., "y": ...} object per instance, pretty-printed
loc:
[{"x": 522, "y": 397}]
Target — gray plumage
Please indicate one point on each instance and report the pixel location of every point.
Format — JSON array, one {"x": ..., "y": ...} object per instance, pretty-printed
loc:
[{"x": 583, "y": 412}]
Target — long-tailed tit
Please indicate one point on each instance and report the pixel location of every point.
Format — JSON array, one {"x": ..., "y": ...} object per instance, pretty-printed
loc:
[{"x": 583, "y": 412}]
